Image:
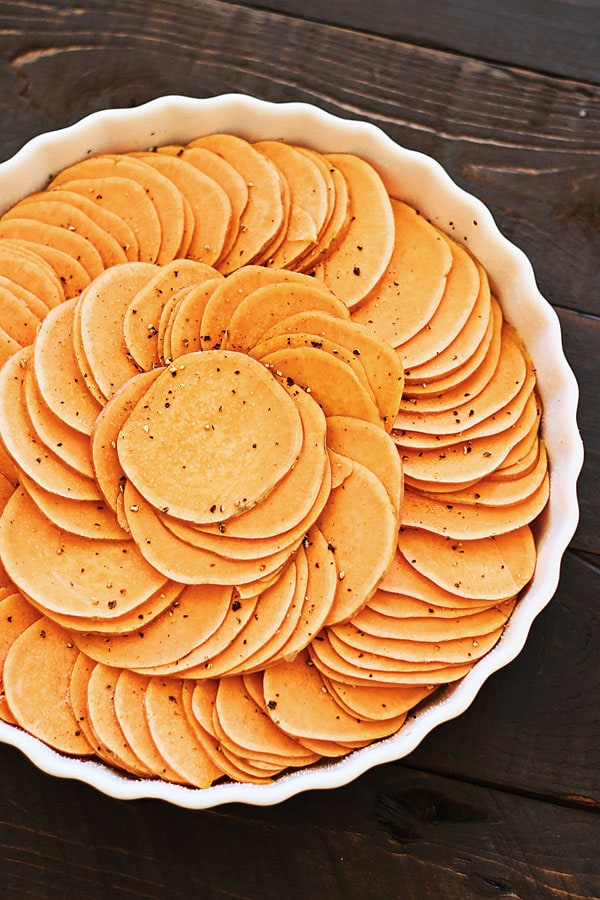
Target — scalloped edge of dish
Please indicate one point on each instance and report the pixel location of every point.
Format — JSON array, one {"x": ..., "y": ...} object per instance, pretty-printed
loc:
[{"x": 422, "y": 182}]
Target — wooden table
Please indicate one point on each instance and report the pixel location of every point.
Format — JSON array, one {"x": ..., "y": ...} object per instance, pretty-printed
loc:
[{"x": 505, "y": 800}]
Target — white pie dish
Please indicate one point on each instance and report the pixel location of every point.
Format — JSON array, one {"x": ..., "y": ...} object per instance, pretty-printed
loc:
[{"x": 421, "y": 182}]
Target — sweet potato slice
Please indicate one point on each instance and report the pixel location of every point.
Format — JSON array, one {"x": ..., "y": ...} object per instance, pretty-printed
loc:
[
  {"x": 61, "y": 572},
  {"x": 360, "y": 259},
  {"x": 382, "y": 364},
  {"x": 228, "y": 296},
  {"x": 247, "y": 434},
  {"x": 101, "y": 311},
  {"x": 142, "y": 317},
  {"x": 44, "y": 234},
  {"x": 360, "y": 523},
  {"x": 173, "y": 735},
  {"x": 410, "y": 290},
  {"x": 211, "y": 207},
  {"x": 28, "y": 270},
  {"x": 298, "y": 704},
  {"x": 371, "y": 702},
  {"x": 309, "y": 207},
  {"x": 129, "y": 704},
  {"x": 57, "y": 374},
  {"x": 37, "y": 672},
  {"x": 268, "y": 305},
  {"x": 192, "y": 618},
  {"x": 88, "y": 518},
  {"x": 338, "y": 220},
  {"x": 70, "y": 445},
  {"x": 186, "y": 321},
  {"x": 486, "y": 568},
  {"x": 127, "y": 200},
  {"x": 70, "y": 273},
  {"x": 163, "y": 194},
  {"x": 103, "y": 721},
  {"x": 16, "y": 615},
  {"x": 463, "y": 287},
  {"x": 22, "y": 443},
  {"x": 102, "y": 218},
  {"x": 262, "y": 217},
  {"x": 31, "y": 301},
  {"x": 19, "y": 323},
  {"x": 332, "y": 383},
  {"x": 180, "y": 561},
  {"x": 57, "y": 213},
  {"x": 369, "y": 445},
  {"x": 107, "y": 468}
]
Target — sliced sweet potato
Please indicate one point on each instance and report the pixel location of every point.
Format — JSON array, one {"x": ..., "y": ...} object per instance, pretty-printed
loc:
[
  {"x": 371, "y": 702},
  {"x": 360, "y": 524},
  {"x": 16, "y": 615},
  {"x": 88, "y": 518},
  {"x": 70, "y": 273},
  {"x": 211, "y": 207},
  {"x": 19, "y": 323},
  {"x": 240, "y": 413},
  {"x": 57, "y": 374},
  {"x": 37, "y": 672},
  {"x": 411, "y": 288},
  {"x": 28, "y": 270},
  {"x": 44, "y": 234},
  {"x": 262, "y": 216},
  {"x": 128, "y": 201},
  {"x": 338, "y": 220},
  {"x": 142, "y": 317},
  {"x": 22, "y": 443},
  {"x": 62, "y": 573},
  {"x": 360, "y": 259},
  {"x": 162, "y": 193},
  {"x": 186, "y": 321}
]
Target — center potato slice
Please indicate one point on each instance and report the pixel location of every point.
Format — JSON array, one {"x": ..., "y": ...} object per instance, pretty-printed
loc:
[{"x": 211, "y": 437}]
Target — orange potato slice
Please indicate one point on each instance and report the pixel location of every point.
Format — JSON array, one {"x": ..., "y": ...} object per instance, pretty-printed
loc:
[
  {"x": 174, "y": 737},
  {"x": 19, "y": 323},
  {"x": 69, "y": 272},
  {"x": 361, "y": 525},
  {"x": 58, "y": 213},
  {"x": 382, "y": 365},
  {"x": 57, "y": 374},
  {"x": 268, "y": 305},
  {"x": 469, "y": 520},
  {"x": 62, "y": 573},
  {"x": 210, "y": 205},
  {"x": 246, "y": 435},
  {"x": 361, "y": 257},
  {"x": 103, "y": 721},
  {"x": 180, "y": 561},
  {"x": 162, "y": 193},
  {"x": 192, "y": 618},
  {"x": 24, "y": 446},
  {"x": 309, "y": 206},
  {"x": 491, "y": 568},
  {"x": 338, "y": 220},
  {"x": 103, "y": 222},
  {"x": 37, "y": 671},
  {"x": 16, "y": 615},
  {"x": 70, "y": 445},
  {"x": 461, "y": 293},
  {"x": 142, "y": 317},
  {"x": 262, "y": 216},
  {"x": 129, "y": 705},
  {"x": 31, "y": 301},
  {"x": 401, "y": 606},
  {"x": 187, "y": 318},
  {"x": 28, "y": 270},
  {"x": 101, "y": 310},
  {"x": 68, "y": 241},
  {"x": 88, "y": 518},
  {"x": 369, "y": 445},
  {"x": 108, "y": 471},
  {"x": 298, "y": 704},
  {"x": 410, "y": 290},
  {"x": 372, "y": 702},
  {"x": 127, "y": 200}
]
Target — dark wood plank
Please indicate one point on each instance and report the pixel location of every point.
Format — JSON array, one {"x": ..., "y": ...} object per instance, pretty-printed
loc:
[
  {"x": 534, "y": 725},
  {"x": 566, "y": 34},
  {"x": 392, "y": 833},
  {"x": 528, "y": 145}
]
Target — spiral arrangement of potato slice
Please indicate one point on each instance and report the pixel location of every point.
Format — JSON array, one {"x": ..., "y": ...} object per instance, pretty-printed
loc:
[{"x": 269, "y": 459}]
